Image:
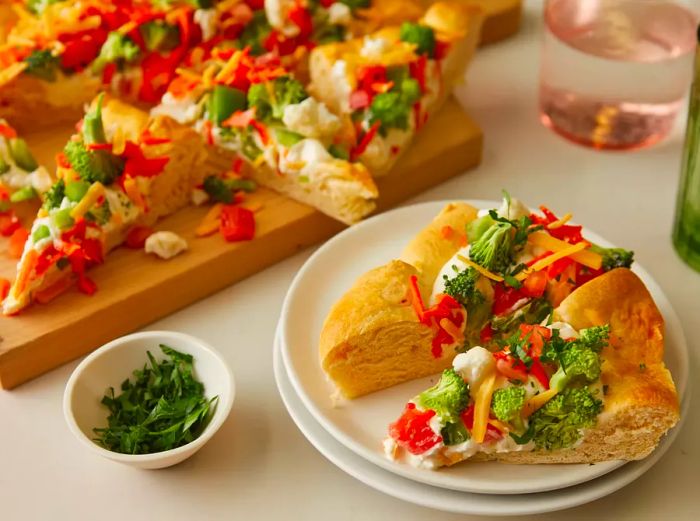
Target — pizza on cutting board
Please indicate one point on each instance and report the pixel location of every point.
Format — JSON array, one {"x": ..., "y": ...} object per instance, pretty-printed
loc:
[
  {"x": 550, "y": 347},
  {"x": 238, "y": 79}
]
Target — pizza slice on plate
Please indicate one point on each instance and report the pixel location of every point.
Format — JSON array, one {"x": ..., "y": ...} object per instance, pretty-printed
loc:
[
  {"x": 593, "y": 387},
  {"x": 469, "y": 278},
  {"x": 386, "y": 84},
  {"x": 122, "y": 170},
  {"x": 254, "y": 111}
]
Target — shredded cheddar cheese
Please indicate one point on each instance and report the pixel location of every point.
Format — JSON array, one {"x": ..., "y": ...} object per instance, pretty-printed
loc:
[
  {"x": 537, "y": 401},
  {"x": 561, "y": 222},
  {"x": 486, "y": 273},
  {"x": 95, "y": 191},
  {"x": 585, "y": 257},
  {"x": 482, "y": 407},
  {"x": 551, "y": 259}
]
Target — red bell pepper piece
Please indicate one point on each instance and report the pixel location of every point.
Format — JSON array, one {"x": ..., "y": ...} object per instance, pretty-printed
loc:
[
  {"x": 412, "y": 430},
  {"x": 535, "y": 284},
  {"x": 138, "y": 165},
  {"x": 505, "y": 297},
  {"x": 8, "y": 223},
  {"x": 537, "y": 335},
  {"x": 537, "y": 370},
  {"x": 4, "y": 288},
  {"x": 7, "y": 131},
  {"x": 364, "y": 142},
  {"x": 359, "y": 99},
  {"x": 239, "y": 119},
  {"x": 137, "y": 236},
  {"x": 302, "y": 19},
  {"x": 237, "y": 223}
]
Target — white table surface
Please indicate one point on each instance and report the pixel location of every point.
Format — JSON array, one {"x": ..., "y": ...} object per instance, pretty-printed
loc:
[{"x": 259, "y": 466}]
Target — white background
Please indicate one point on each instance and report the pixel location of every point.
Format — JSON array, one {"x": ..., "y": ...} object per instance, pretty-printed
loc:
[{"x": 259, "y": 466}]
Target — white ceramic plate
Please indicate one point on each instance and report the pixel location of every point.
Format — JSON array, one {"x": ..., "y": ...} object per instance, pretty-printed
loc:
[
  {"x": 361, "y": 424},
  {"x": 451, "y": 500}
]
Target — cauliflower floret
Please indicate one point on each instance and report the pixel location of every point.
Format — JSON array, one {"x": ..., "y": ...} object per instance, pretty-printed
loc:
[
  {"x": 206, "y": 19},
  {"x": 565, "y": 330},
  {"x": 339, "y": 14},
  {"x": 374, "y": 48},
  {"x": 302, "y": 155},
  {"x": 515, "y": 210},
  {"x": 474, "y": 364},
  {"x": 311, "y": 119},
  {"x": 276, "y": 11},
  {"x": 165, "y": 245}
]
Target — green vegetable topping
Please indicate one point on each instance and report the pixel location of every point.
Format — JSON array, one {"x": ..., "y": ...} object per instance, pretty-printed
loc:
[
  {"x": 493, "y": 250},
  {"x": 287, "y": 138},
  {"x": 222, "y": 190},
  {"x": 356, "y": 4},
  {"x": 118, "y": 48},
  {"x": 462, "y": 287},
  {"x": 76, "y": 190},
  {"x": 93, "y": 165},
  {"x": 42, "y": 64},
  {"x": 255, "y": 32},
  {"x": 339, "y": 152},
  {"x": 42, "y": 232},
  {"x": 162, "y": 408},
  {"x": 62, "y": 219},
  {"x": 21, "y": 155},
  {"x": 454, "y": 433},
  {"x": 422, "y": 36},
  {"x": 93, "y": 129},
  {"x": 287, "y": 91},
  {"x": 533, "y": 312},
  {"x": 477, "y": 228},
  {"x": 392, "y": 109},
  {"x": 578, "y": 359},
  {"x": 4, "y": 166},
  {"x": 100, "y": 214},
  {"x": 224, "y": 101},
  {"x": 160, "y": 36},
  {"x": 614, "y": 257},
  {"x": 54, "y": 195},
  {"x": 24, "y": 194},
  {"x": 558, "y": 424},
  {"x": 508, "y": 402},
  {"x": 448, "y": 398}
]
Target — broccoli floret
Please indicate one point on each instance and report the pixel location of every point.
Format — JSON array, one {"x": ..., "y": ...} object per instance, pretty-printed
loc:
[
  {"x": 578, "y": 361},
  {"x": 595, "y": 337},
  {"x": 160, "y": 36},
  {"x": 462, "y": 287},
  {"x": 392, "y": 109},
  {"x": 508, "y": 402},
  {"x": 421, "y": 35},
  {"x": 93, "y": 129},
  {"x": 54, "y": 195},
  {"x": 42, "y": 64},
  {"x": 477, "y": 228},
  {"x": 222, "y": 190},
  {"x": 93, "y": 165},
  {"x": 558, "y": 423},
  {"x": 117, "y": 48},
  {"x": 255, "y": 33},
  {"x": 493, "y": 249},
  {"x": 287, "y": 91},
  {"x": 614, "y": 257},
  {"x": 448, "y": 398}
]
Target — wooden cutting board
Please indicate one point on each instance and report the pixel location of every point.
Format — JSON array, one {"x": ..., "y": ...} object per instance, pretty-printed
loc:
[{"x": 136, "y": 289}]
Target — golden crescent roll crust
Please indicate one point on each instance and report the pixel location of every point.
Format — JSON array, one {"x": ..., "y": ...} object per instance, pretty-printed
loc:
[{"x": 371, "y": 338}]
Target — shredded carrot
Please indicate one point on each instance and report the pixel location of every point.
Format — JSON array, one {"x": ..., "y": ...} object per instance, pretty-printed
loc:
[
  {"x": 450, "y": 328},
  {"x": 46, "y": 295},
  {"x": 17, "y": 240},
  {"x": 416, "y": 299},
  {"x": 210, "y": 223},
  {"x": 25, "y": 271}
]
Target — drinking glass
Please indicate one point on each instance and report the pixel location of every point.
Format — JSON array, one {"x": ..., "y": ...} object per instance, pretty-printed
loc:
[{"x": 614, "y": 72}]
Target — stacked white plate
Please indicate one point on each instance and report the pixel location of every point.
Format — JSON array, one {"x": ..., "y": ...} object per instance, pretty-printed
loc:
[{"x": 350, "y": 433}]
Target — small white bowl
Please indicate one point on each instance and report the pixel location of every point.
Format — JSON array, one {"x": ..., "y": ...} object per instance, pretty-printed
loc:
[{"x": 114, "y": 362}]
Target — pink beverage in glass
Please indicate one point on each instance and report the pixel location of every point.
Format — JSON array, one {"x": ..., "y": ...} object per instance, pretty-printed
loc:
[{"x": 614, "y": 72}]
